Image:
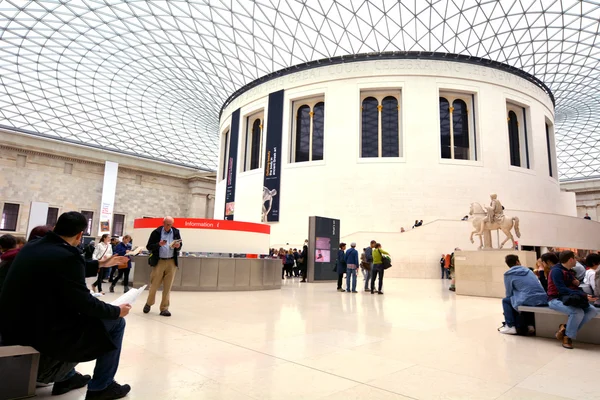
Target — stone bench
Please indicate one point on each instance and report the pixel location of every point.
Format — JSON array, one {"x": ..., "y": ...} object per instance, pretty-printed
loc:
[
  {"x": 18, "y": 371},
  {"x": 548, "y": 320}
]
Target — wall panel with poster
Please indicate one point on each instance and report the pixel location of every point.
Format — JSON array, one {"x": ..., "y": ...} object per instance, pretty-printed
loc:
[{"x": 324, "y": 240}]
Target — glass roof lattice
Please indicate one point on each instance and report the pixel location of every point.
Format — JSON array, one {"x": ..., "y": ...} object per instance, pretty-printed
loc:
[{"x": 148, "y": 78}]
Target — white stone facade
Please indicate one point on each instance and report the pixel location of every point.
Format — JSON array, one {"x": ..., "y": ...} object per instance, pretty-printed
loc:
[{"x": 70, "y": 178}]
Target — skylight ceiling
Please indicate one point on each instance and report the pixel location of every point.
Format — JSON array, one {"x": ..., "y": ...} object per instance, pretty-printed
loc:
[{"x": 149, "y": 77}]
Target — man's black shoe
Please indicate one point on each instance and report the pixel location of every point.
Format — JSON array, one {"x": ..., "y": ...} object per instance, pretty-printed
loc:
[
  {"x": 146, "y": 309},
  {"x": 75, "y": 382},
  {"x": 113, "y": 391},
  {"x": 165, "y": 313}
]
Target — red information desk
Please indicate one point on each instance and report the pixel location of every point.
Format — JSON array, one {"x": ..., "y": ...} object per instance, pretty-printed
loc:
[
  {"x": 210, "y": 235},
  {"x": 213, "y": 273}
]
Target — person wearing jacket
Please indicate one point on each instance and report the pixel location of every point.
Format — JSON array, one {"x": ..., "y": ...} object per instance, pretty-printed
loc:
[
  {"x": 67, "y": 325},
  {"x": 367, "y": 273},
  {"x": 523, "y": 288},
  {"x": 340, "y": 266},
  {"x": 121, "y": 249},
  {"x": 303, "y": 261},
  {"x": 351, "y": 259},
  {"x": 9, "y": 250},
  {"x": 377, "y": 269},
  {"x": 164, "y": 245},
  {"x": 563, "y": 286},
  {"x": 102, "y": 252}
]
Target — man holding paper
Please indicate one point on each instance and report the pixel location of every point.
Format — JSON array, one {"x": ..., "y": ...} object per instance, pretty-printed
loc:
[
  {"x": 66, "y": 324},
  {"x": 164, "y": 245}
]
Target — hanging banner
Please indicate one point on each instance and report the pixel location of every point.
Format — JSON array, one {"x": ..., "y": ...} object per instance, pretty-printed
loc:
[
  {"x": 232, "y": 165},
  {"x": 270, "y": 206},
  {"x": 109, "y": 190}
]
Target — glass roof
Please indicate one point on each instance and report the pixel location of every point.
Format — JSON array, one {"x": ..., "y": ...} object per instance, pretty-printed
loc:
[{"x": 149, "y": 77}]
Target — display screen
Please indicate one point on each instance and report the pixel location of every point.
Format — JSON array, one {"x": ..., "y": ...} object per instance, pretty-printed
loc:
[{"x": 322, "y": 256}]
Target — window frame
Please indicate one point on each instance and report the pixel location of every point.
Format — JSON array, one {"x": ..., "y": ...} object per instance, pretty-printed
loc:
[
  {"x": 470, "y": 99},
  {"x": 90, "y": 227},
  {"x": 17, "y": 220},
  {"x": 249, "y": 120},
  {"x": 551, "y": 149},
  {"x": 525, "y": 141},
  {"x": 48, "y": 222},
  {"x": 380, "y": 95},
  {"x": 311, "y": 102},
  {"x": 225, "y": 137}
]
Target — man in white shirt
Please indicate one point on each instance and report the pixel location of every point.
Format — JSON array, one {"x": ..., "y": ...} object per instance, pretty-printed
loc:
[{"x": 589, "y": 281}]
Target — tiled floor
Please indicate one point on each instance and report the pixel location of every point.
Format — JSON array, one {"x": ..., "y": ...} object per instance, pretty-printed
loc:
[{"x": 307, "y": 341}]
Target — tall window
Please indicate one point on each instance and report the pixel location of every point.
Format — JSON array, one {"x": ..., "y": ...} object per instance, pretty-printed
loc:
[
  {"x": 225, "y": 153},
  {"x": 380, "y": 125},
  {"x": 457, "y": 126},
  {"x": 309, "y": 130},
  {"x": 118, "y": 224},
  {"x": 89, "y": 215},
  {"x": 52, "y": 216},
  {"x": 10, "y": 216},
  {"x": 549, "y": 148},
  {"x": 518, "y": 142},
  {"x": 253, "y": 151}
]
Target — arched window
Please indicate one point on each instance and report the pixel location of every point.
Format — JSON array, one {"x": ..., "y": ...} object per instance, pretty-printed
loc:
[
  {"x": 370, "y": 128},
  {"x": 255, "y": 144},
  {"x": 513, "y": 139},
  {"x": 318, "y": 131},
  {"x": 460, "y": 127},
  {"x": 445, "y": 128},
  {"x": 303, "y": 118},
  {"x": 457, "y": 126},
  {"x": 389, "y": 127}
]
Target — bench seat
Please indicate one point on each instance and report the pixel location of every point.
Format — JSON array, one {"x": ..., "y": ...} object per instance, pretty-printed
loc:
[
  {"x": 547, "y": 321},
  {"x": 18, "y": 371}
]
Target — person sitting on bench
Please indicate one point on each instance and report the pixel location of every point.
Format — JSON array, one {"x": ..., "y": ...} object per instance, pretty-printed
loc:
[
  {"x": 566, "y": 297},
  {"x": 45, "y": 304},
  {"x": 523, "y": 288},
  {"x": 593, "y": 262}
]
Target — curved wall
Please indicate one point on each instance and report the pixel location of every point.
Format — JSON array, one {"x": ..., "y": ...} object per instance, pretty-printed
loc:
[{"x": 384, "y": 194}]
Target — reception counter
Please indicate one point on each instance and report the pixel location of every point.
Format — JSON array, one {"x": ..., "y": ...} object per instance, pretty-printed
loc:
[{"x": 217, "y": 274}]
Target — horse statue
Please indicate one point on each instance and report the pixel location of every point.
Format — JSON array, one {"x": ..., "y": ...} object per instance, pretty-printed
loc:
[{"x": 506, "y": 224}]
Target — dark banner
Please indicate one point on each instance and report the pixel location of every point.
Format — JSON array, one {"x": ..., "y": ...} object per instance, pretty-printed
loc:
[
  {"x": 234, "y": 134},
  {"x": 326, "y": 245},
  {"x": 270, "y": 206}
]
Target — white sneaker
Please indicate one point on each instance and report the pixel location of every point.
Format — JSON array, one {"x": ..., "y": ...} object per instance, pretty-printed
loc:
[{"x": 508, "y": 330}]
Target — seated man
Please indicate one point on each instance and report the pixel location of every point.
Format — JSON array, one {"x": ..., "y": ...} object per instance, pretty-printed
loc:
[
  {"x": 566, "y": 297},
  {"x": 45, "y": 304},
  {"x": 593, "y": 262},
  {"x": 523, "y": 288}
]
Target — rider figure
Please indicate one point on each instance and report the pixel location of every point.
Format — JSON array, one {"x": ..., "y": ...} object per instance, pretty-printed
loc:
[{"x": 495, "y": 212}]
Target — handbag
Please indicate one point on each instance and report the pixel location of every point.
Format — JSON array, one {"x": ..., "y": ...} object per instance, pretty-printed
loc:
[
  {"x": 386, "y": 261},
  {"x": 123, "y": 266}
]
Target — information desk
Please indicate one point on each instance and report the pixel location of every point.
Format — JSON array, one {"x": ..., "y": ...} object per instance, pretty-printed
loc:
[{"x": 217, "y": 274}]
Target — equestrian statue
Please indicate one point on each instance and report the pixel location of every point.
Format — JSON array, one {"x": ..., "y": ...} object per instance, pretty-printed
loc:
[{"x": 492, "y": 218}]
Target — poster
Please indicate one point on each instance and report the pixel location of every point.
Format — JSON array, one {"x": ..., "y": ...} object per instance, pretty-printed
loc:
[
  {"x": 273, "y": 154},
  {"x": 109, "y": 189},
  {"x": 325, "y": 237},
  {"x": 232, "y": 165}
]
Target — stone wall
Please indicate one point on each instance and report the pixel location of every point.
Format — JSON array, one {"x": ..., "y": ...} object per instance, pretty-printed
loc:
[
  {"x": 31, "y": 170},
  {"x": 587, "y": 194}
]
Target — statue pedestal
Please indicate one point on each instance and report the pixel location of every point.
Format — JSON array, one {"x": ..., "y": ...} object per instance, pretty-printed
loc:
[{"x": 481, "y": 273}]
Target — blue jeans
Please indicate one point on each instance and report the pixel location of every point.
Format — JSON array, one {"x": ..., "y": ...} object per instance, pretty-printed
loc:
[
  {"x": 577, "y": 316},
  {"x": 511, "y": 316},
  {"x": 108, "y": 363},
  {"x": 367, "y": 275},
  {"x": 351, "y": 273}
]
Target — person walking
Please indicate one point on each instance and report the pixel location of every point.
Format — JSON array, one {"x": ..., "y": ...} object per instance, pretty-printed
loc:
[
  {"x": 369, "y": 257},
  {"x": 378, "y": 254},
  {"x": 340, "y": 266},
  {"x": 351, "y": 258},
  {"x": 121, "y": 249},
  {"x": 103, "y": 251},
  {"x": 164, "y": 245}
]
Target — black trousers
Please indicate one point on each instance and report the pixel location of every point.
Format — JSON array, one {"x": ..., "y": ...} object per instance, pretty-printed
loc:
[
  {"x": 98, "y": 282},
  {"x": 377, "y": 270},
  {"x": 123, "y": 273},
  {"x": 340, "y": 278},
  {"x": 303, "y": 271}
]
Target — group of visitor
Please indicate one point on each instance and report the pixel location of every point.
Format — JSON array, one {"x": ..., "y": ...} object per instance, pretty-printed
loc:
[
  {"x": 374, "y": 260},
  {"x": 560, "y": 282},
  {"x": 293, "y": 262}
]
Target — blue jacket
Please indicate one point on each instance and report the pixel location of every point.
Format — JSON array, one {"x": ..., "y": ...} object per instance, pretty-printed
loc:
[
  {"x": 351, "y": 256},
  {"x": 369, "y": 254},
  {"x": 121, "y": 249},
  {"x": 524, "y": 288}
]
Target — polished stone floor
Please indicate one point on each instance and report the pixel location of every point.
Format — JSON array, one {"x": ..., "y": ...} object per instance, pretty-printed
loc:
[{"x": 307, "y": 341}]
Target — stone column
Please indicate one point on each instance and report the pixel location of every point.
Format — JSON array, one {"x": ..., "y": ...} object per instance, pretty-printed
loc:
[{"x": 202, "y": 198}]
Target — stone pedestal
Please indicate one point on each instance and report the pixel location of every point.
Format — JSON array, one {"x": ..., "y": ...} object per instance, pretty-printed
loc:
[{"x": 481, "y": 273}]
